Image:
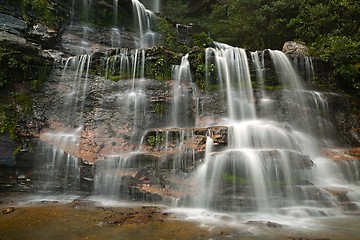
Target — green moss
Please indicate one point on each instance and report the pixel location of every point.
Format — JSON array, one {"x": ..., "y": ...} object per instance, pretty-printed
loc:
[
  {"x": 160, "y": 69},
  {"x": 18, "y": 66},
  {"x": 158, "y": 108},
  {"x": 169, "y": 36},
  {"x": 159, "y": 63},
  {"x": 235, "y": 180},
  {"x": 42, "y": 8},
  {"x": 197, "y": 61},
  {"x": 27, "y": 72},
  {"x": 8, "y": 121},
  {"x": 201, "y": 40}
]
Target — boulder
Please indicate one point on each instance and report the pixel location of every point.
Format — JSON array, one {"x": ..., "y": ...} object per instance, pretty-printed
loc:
[
  {"x": 11, "y": 24},
  {"x": 43, "y": 35},
  {"x": 298, "y": 48}
]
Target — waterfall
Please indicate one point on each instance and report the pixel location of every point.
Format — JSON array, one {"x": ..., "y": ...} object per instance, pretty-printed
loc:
[
  {"x": 260, "y": 152},
  {"x": 234, "y": 75},
  {"x": 269, "y": 166},
  {"x": 115, "y": 32},
  {"x": 307, "y": 110},
  {"x": 60, "y": 147},
  {"x": 144, "y": 18},
  {"x": 185, "y": 97}
]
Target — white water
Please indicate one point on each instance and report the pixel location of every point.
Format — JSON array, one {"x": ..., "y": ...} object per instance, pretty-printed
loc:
[
  {"x": 265, "y": 173},
  {"x": 60, "y": 146},
  {"x": 185, "y": 98},
  {"x": 144, "y": 18},
  {"x": 270, "y": 166},
  {"x": 234, "y": 75}
]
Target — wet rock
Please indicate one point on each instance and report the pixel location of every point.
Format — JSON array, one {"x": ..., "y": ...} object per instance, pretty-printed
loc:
[
  {"x": 11, "y": 24},
  {"x": 8, "y": 210},
  {"x": 306, "y": 238},
  {"x": 265, "y": 224},
  {"x": 7, "y": 148},
  {"x": 43, "y": 35},
  {"x": 342, "y": 154}
]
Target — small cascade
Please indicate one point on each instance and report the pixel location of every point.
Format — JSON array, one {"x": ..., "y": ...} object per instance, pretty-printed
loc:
[
  {"x": 183, "y": 31},
  {"x": 109, "y": 176},
  {"x": 115, "y": 32},
  {"x": 185, "y": 97},
  {"x": 76, "y": 68},
  {"x": 268, "y": 166},
  {"x": 144, "y": 18},
  {"x": 304, "y": 67},
  {"x": 61, "y": 173},
  {"x": 60, "y": 147},
  {"x": 153, "y": 5},
  {"x": 307, "y": 110},
  {"x": 234, "y": 76},
  {"x": 266, "y": 104},
  {"x": 260, "y": 70}
]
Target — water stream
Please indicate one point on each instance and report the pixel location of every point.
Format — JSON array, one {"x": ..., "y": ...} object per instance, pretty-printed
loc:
[{"x": 271, "y": 167}]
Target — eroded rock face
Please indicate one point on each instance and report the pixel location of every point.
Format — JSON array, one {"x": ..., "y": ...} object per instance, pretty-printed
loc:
[
  {"x": 7, "y": 148},
  {"x": 12, "y": 25},
  {"x": 127, "y": 115}
]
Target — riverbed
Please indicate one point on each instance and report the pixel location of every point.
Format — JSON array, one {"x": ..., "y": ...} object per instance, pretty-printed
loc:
[{"x": 25, "y": 216}]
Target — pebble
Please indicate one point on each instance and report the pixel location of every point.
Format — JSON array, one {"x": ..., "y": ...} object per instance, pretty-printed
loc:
[{"x": 8, "y": 210}]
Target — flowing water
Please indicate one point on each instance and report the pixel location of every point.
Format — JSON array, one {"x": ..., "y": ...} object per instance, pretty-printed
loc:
[{"x": 271, "y": 168}]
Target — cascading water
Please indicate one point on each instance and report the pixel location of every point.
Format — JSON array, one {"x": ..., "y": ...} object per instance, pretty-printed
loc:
[
  {"x": 268, "y": 166},
  {"x": 144, "y": 18},
  {"x": 185, "y": 96},
  {"x": 269, "y": 161},
  {"x": 115, "y": 32},
  {"x": 234, "y": 75},
  {"x": 61, "y": 146}
]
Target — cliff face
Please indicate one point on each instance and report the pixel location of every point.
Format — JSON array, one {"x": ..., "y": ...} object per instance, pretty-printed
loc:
[{"x": 65, "y": 83}]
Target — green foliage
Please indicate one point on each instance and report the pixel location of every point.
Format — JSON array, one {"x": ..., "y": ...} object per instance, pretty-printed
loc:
[
  {"x": 330, "y": 28},
  {"x": 158, "y": 108},
  {"x": 197, "y": 60},
  {"x": 40, "y": 7},
  {"x": 155, "y": 141},
  {"x": 252, "y": 24},
  {"x": 159, "y": 69},
  {"x": 8, "y": 121},
  {"x": 333, "y": 30},
  {"x": 159, "y": 63},
  {"x": 235, "y": 179},
  {"x": 169, "y": 36},
  {"x": 201, "y": 40}
]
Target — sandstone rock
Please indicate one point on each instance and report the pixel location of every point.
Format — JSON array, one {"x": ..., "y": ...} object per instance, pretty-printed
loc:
[
  {"x": 342, "y": 154},
  {"x": 8, "y": 210},
  {"x": 292, "y": 47}
]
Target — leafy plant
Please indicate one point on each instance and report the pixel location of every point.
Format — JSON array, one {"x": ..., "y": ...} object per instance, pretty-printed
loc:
[{"x": 155, "y": 140}]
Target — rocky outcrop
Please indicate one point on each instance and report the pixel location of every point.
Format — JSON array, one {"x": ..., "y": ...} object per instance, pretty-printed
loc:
[
  {"x": 7, "y": 150},
  {"x": 125, "y": 116},
  {"x": 297, "y": 48},
  {"x": 12, "y": 25}
]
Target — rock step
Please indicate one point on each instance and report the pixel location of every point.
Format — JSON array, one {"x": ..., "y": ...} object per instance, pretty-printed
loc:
[{"x": 349, "y": 206}]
